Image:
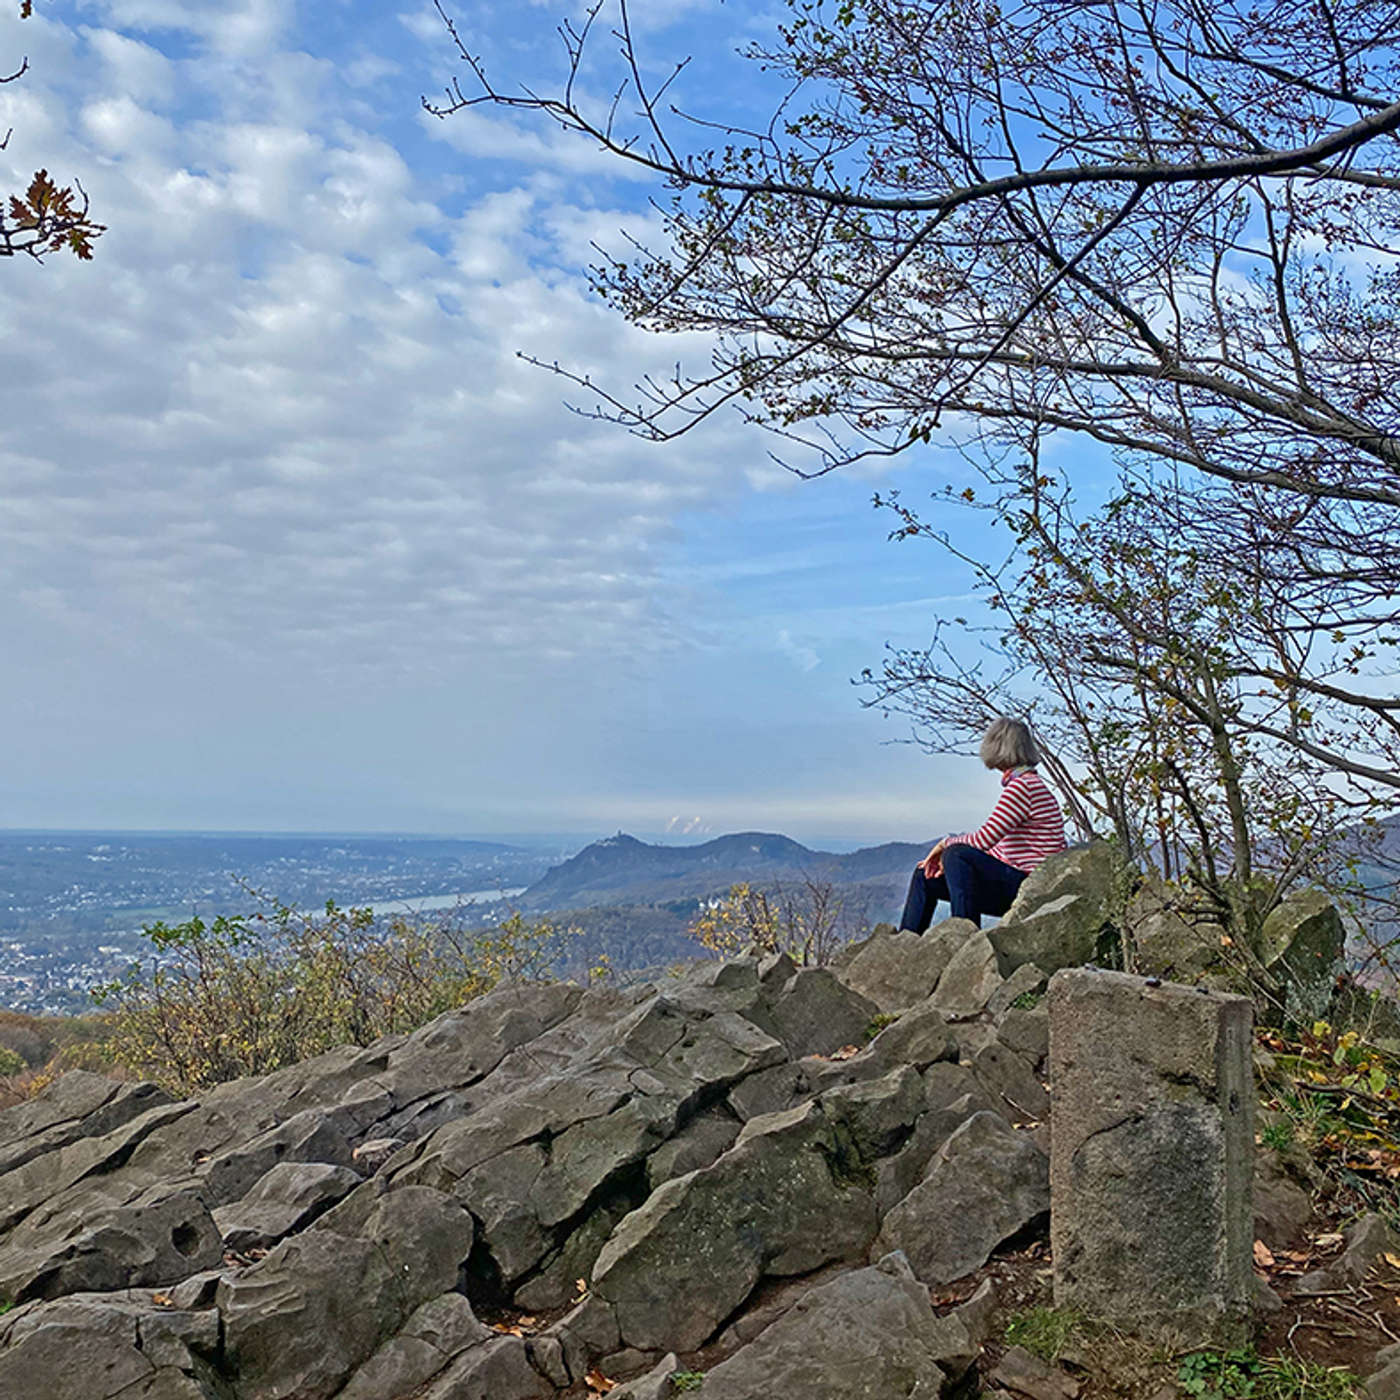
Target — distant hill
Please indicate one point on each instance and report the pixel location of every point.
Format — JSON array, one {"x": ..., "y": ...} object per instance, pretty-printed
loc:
[{"x": 624, "y": 870}]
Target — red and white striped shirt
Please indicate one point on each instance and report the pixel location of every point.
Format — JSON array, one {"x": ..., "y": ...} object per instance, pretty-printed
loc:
[{"x": 1025, "y": 825}]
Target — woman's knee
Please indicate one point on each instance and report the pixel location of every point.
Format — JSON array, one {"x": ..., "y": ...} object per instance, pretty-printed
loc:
[{"x": 957, "y": 854}]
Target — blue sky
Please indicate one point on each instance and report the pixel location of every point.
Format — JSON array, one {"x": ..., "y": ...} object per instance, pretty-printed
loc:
[{"x": 290, "y": 538}]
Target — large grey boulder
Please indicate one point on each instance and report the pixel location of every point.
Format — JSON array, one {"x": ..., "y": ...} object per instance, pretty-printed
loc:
[
  {"x": 300, "y": 1321},
  {"x": 309, "y": 1136},
  {"x": 815, "y": 1014},
  {"x": 899, "y": 1173},
  {"x": 1153, "y": 1141},
  {"x": 699, "y": 1143},
  {"x": 863, "y": 1336},
  {"x": 48, "y": 1175},
  {"x": 291, "y": 1195},
  {"x": 1300, "y": 946},
  {"x": 151, "y": 1242},
  {"x": 461, "y": 1048},
  {"x": 877, "y": 1113},
  {"x": 787, "y": 1197},
  {"x": 985, "y": 1184},
  {"x": 920, "y": 1038},
  {"x": 76, "y": 1105},
  {"x": 1067, "y": 911},
  {"x": 440, "y": 1330},
  {"x": 1164, "y": 942},
  {"x": 1011, "y": 1083},
  {"x": 899, "y": 970},
  {"x": 496, "y": 1370},
  {"x": 552, "y": 1146},
  {"x": 970, "y": 978},
  {"x": 95, "y": 1346}
]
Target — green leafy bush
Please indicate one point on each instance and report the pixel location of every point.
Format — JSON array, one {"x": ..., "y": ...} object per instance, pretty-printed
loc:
[{"x": 247, "y": 994}]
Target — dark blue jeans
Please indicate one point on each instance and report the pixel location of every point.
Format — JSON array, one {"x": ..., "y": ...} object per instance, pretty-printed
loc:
[{"x": 973, "y": 882}]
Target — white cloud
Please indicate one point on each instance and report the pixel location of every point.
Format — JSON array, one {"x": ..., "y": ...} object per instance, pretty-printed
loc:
[
  {"x": 234, "y": 27},
  {"x": 271, "y": 414},
  {"x": 288, "y": 532}
]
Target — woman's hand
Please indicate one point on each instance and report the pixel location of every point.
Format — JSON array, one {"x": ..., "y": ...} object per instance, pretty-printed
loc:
[{"x": 933, "y": 862}]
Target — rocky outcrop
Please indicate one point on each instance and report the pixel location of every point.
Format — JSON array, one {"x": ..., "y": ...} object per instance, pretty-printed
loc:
[
  {"x": 647, "y": 1164},
  {"x": 1067, "y": 912}
]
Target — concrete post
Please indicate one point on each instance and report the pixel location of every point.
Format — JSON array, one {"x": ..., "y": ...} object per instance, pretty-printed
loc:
[{"x": 1151, "y": 1161}]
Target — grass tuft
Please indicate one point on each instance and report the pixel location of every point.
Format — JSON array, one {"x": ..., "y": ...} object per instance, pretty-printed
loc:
[{"x": 1042, "y": 1331}]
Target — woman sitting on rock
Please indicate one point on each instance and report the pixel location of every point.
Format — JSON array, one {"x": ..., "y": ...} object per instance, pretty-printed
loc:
[{"x": 980, "y": 874}]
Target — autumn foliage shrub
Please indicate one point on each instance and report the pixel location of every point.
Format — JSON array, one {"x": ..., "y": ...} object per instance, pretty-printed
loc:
[
  {"x": 808, "y": 922},
  {"x": 246, "y": 994},
  {"x": 35, "y": 1050}
]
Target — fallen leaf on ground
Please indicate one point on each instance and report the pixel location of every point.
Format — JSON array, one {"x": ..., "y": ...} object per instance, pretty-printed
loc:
[
  {"x": 1263, "y": 1255},
  {"x": 598, "y": 1383},
  {"x": 1330, "y": 1241},
  {"x": 1392, "y": 1259},
  {"x": 162, "y": 1300}
]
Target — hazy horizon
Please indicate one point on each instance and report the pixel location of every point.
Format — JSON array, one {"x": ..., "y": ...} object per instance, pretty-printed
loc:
[{"x": 536, "y": 839}]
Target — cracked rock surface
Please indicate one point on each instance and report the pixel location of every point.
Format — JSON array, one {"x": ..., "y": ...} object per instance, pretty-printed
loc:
[{"x": 337, "y": 1230}]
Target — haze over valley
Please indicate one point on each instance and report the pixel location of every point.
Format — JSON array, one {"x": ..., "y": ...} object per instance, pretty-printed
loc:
[{"x": 73, "y": 904}]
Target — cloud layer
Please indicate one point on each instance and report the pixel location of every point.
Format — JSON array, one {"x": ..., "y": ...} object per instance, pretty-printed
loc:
[{"x": 288, "y": 533}]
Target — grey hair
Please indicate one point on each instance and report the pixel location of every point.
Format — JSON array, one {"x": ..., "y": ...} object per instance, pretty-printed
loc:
[{"x": 1008, "y": 743}]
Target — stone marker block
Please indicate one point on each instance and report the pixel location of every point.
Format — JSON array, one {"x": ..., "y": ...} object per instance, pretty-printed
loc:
[{"x": 1152, "y": 1142}]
